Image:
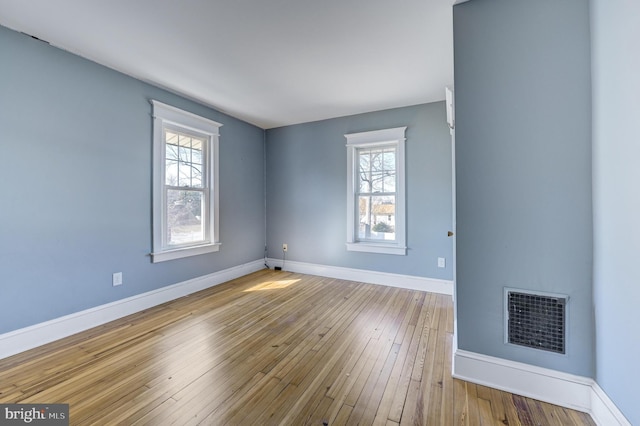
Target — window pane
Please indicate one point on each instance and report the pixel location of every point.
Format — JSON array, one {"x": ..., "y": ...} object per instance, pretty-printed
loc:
[
  {"x": 364, "y": 159},
  {"x": 376, "y": 217},
  {"x": 389, "y": 159},
  {"x": 196, "y": 176},
  {"x": 184, "y": 175},
  {"x": 196, "y": 154},
  {"x": 185, "y": 154},
  {"x": 364, "y": 182},
  {"x": 364, "y": 170},
  {"x": 171, "y": 173},
  {"x": 184, "y": 217},
  {"x": 184, "y": 140},
  {"x": 171, "y": 137},
  {"x": 376, "y": 159},
  {"x": 172, "y": 152},
  {"x": 196, "y": 144},
  {"x": 376, "y": 182},
  {"x": 389, "y": 183}
]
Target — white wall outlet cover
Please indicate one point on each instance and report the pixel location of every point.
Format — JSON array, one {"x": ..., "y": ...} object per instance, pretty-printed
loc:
[{"x": 117, "y": 278}]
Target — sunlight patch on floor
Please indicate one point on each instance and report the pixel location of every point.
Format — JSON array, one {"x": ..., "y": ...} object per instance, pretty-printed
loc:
[{"x": 272, "y": 285}]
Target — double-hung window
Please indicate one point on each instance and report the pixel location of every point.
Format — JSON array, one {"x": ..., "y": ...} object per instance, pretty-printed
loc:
[
  {"x": 375, "y": 191},
  {"x": 185, "y": 184}
]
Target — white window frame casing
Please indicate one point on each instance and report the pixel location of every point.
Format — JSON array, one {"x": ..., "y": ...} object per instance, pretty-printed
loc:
[
  {"x": 166, "y": 114},
  {"x": 386, "y": 137}
]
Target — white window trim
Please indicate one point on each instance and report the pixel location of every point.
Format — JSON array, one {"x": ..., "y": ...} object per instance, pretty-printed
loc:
[
  {"x": 394, "y": 136},
  {"x": 163, "y": 113}
]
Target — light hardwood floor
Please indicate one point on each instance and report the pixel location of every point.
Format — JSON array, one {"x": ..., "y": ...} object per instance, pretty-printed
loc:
[{"x": 271, "y": 348}]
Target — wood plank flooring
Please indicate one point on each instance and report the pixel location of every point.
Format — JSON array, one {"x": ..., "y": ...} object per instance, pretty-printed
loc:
[{"x": 271, "y": 348}]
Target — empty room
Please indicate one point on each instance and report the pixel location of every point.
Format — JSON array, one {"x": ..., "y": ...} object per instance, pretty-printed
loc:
[{"x": 324, "y": 213}]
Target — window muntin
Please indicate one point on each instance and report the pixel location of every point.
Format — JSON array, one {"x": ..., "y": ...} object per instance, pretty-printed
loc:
[
  {"x": 185, "y": 186},
  {"x": 375, "y": 191}
]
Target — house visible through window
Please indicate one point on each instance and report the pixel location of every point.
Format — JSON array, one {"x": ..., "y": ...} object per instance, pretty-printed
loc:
[
  {"x": 376, "y": 201},
  {"x": 185, "y": 195}
]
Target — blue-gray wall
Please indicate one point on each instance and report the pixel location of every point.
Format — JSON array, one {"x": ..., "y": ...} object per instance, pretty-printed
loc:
[
  {"x": 523, "y": 170},
  {"x": 75, "y": 204},
  {"x": 307, "y": 185},
  {"x": 615, "y": 34}
]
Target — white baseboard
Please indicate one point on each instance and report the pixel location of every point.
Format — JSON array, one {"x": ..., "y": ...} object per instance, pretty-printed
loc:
[
  {"x": 567, "y": 390},
  {"x": 410, "y": 282},
  {"x": 36, "y": 335}
]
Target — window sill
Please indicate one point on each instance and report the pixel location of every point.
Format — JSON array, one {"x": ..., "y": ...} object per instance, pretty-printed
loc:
[
  {"x": 184, "y": 252},
  {"x": 377, "y": 248}
]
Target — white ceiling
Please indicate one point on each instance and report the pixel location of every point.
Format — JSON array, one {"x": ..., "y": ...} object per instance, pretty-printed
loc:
[{"x": 269, "y": 62}]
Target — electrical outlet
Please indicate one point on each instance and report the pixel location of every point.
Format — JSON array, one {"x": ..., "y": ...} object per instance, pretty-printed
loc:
[
  {"x": 441, "y": 262},
  {"x": 117, "y": 278},
  {"x": 285, "y": 247}
]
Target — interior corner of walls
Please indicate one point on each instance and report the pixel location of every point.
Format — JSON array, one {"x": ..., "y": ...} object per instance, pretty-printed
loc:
[
  {"x": 21, "y": 340},
  {"x": 604, "y": 410}
]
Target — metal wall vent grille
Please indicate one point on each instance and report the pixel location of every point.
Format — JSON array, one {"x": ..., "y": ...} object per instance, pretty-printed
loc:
[{"x": 536, "y": 321}]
